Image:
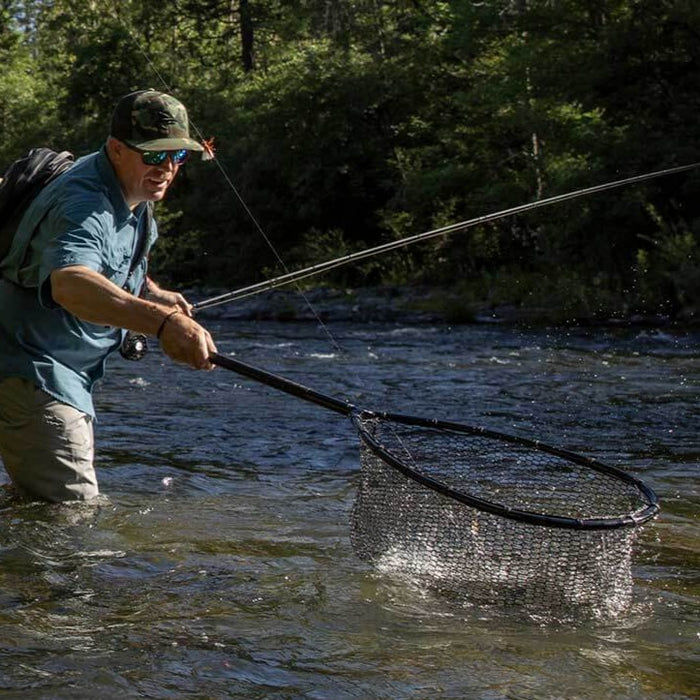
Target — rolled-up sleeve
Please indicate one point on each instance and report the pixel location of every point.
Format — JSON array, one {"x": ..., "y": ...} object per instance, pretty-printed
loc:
[{"x": 84, "y": 236}]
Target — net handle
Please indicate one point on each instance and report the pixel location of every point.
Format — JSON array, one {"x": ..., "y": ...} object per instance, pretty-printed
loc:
[{"x": 283, "y": 384}]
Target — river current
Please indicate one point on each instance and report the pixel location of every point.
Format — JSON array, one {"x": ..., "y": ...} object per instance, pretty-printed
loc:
[{"x": 218, "y": 563}]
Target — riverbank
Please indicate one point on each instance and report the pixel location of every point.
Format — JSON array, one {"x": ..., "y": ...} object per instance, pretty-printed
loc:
[{"x": 416, "y": 305}]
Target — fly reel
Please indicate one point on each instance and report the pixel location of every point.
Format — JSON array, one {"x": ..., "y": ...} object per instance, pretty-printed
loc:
[{"x": 134, "y": 346}]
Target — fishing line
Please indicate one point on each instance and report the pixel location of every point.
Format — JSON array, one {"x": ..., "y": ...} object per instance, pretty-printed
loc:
[
  {"x": 293, "y": 277},
  {"x": 239, "y": 197},
  {"x": 289, "y": 278}
]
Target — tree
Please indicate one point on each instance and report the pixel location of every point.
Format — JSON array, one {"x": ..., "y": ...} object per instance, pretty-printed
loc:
[{"x": 346, "y": 124}]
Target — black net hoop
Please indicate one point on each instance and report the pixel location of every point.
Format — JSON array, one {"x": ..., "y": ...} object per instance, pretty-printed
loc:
[{"x": 506, "y": 475}]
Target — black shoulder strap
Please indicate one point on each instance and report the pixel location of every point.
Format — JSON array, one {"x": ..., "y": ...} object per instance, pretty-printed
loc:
[{"x": 143, "y": 234}]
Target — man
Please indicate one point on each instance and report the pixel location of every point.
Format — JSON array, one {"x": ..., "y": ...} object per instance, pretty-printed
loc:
[{"x": 73, "y": 280}]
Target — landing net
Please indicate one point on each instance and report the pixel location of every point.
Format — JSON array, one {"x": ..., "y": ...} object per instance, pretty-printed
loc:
[
  {"x": 487, "y": 517},
  {"x": 494, "y": 519}
]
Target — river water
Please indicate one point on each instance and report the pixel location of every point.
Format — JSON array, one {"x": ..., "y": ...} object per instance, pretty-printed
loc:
[{"x": 219, "y": 563}]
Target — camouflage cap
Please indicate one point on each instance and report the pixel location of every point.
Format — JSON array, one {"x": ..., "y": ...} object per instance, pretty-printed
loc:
[{"x": 152, "y": 121}]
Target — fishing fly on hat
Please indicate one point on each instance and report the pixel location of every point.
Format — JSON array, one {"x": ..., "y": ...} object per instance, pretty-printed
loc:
[{"x": 152, "y": 121}]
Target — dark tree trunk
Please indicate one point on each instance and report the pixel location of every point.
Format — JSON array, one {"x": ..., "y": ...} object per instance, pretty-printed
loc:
[{"x": 247, "y": 37}]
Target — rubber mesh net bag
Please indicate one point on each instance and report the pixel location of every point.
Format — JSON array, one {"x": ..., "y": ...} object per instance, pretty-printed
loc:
[{"x": 494, "y": 519}]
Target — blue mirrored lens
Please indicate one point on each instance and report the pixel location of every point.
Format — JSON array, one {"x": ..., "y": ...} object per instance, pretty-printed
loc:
[{"x": 158, "y": 157}]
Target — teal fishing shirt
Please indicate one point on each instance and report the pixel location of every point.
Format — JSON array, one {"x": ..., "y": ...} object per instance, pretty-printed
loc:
[{"x": 79, "y": 219}]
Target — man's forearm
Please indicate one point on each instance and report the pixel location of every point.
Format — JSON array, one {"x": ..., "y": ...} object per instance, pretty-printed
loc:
[{"x": 92, "y": 297}]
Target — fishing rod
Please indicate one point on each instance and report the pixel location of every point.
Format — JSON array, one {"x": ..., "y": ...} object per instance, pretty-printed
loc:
[{"x": 291, "y": 277}]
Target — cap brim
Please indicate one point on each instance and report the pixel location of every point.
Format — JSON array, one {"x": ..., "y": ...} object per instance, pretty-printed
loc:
[{"x": 167, "y": 145}]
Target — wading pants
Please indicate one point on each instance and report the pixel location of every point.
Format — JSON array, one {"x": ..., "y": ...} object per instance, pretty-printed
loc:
[{"x": 46, "y": 446}]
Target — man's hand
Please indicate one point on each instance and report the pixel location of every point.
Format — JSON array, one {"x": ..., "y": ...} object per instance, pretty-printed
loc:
[
  {"x": 163, "y": 296},
  {"x": 182, "y": 339}
]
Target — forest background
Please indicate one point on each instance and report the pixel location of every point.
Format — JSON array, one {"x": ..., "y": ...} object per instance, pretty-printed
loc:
[{"x": 345, "y": 124}]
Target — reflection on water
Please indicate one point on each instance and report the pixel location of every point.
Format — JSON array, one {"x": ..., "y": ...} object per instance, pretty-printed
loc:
[{"x": 219, "y": 563}]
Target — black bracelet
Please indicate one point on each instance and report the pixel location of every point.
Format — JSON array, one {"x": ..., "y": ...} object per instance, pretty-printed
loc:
[{"x": 165, "y": 320}]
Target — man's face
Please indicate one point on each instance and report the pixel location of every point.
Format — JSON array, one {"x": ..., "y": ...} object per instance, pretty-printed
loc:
[{"x": 141, "y": 182}]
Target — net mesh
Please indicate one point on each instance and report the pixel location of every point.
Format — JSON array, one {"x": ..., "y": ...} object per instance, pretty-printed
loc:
[{"x": 408, "y": 528}]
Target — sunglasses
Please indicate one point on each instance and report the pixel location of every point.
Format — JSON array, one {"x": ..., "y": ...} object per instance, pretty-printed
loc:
[{"x": 159, "y": 157}]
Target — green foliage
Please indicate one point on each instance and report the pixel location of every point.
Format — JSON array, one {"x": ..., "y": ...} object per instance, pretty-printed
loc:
[
  {"x": 25, "y": 103},
  {"x": 344, "y": 125},
  {"x": 667, "y": 273}
]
